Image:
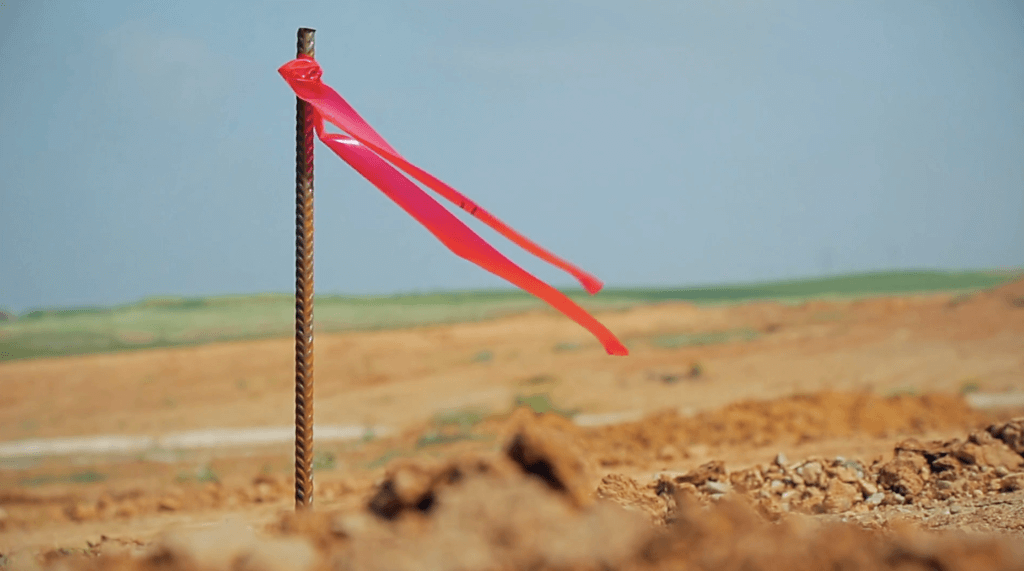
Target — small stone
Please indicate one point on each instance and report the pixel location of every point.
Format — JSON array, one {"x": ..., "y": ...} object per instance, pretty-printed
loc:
[
  {"x": 943, "y": 484},
  {"x": 875, "y": 499},
  {"x": 840, "y": 496},
  {"x": 846, "y": 474},
  {"x": 811, "y": 473},
  {"x": 898, "y": 499},
  {"x": 867, "y": 488},
  {"x": 955, "y": 509},
  {"x": 781, "y": 460},
  {"x": 796, "y": 480},
  {"x": 713, "y": 487},
  {"x": 1001, "y": 471},
  {"x": 777, "y": 485}
]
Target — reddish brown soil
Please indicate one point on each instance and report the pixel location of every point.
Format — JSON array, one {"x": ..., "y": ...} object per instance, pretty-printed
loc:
[{"x": 837, "y": 438}]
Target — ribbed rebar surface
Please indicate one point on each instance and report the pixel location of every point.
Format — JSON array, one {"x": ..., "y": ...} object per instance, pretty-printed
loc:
[{"x": 304, "y": 291}]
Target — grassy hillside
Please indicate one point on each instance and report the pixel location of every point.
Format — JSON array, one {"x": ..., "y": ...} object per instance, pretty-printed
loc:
[{"x": 162, "y": 322}]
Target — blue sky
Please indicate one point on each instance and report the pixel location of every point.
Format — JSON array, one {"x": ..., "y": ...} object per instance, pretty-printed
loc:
[{"x": 147, "y": 148}]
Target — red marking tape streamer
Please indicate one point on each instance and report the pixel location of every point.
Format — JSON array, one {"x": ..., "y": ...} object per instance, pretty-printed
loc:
[{"x": 369, "y": 154}]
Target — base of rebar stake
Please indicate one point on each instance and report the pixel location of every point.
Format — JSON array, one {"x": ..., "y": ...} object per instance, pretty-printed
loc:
[{"x": 304, "y": 290}]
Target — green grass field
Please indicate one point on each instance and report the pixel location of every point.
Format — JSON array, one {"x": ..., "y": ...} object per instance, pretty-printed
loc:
[{"x": 163, "y": 322}]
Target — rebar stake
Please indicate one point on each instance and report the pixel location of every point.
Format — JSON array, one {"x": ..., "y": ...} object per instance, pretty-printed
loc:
[{"x": 304, "y": 290}]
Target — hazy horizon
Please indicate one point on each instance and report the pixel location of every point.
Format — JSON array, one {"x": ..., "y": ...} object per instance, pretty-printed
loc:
[
  {"x": 575, "y": 289},
  {"x": 147, "y": 151}
]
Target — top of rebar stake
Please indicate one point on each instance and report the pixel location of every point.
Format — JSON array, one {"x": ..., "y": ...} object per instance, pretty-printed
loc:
[{"x": 306, "y": 42}]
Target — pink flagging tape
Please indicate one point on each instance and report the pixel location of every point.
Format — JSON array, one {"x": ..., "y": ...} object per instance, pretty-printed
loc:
[{"x": 370, "y": 155}]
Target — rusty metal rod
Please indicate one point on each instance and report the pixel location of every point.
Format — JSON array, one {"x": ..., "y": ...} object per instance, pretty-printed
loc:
[{"x": 304, "y": 291}]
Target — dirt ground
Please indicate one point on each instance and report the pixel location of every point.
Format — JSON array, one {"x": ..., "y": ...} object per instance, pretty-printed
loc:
[{"x": 829, "y": 434}]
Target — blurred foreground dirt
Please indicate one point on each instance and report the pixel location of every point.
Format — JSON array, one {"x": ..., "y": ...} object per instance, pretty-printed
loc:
[{"x": 822, "y": 435}]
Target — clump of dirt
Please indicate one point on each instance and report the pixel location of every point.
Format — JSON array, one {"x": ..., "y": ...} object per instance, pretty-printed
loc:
[
  {"x": 796, "y": 419},
  {"x": 538, "y": 445}
]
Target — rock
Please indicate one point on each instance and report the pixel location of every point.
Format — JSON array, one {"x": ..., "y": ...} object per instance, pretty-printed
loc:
[
  {"x": 902, "y": 473},
  {"x": 1001, "y": 471},
  {"x": 955, "y": 508},
  {"x": 713, "y": 487},
  {"x": 1011, "y": 483},
  {"x": 781, "y": 460},
  {"x": 946, "y": 464},
  {"x": 711, "y": 471},
  {"x": 626, "y": 491},
  {"x": 995, "y": 454},
  {"x": 1011, "y": 433},
  {"x": 811, "y": 473},
  {"x": 875, "y": 499},
  {"x": 840, "y": 496},
  {"x": 982, "y": 438},
  {"x": 845, "y": 474},
  {"x": 943, "y": 484},
  {"x": 867, "y": 488},
  {"x": 747, "y": 480}
]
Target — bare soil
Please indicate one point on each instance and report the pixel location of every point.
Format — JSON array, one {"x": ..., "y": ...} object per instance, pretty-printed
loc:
[{"x": 831, "y": 434}]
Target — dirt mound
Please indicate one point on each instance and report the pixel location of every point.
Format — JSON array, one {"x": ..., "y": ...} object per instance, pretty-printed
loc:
[
  {"x": 989, "y": 462},
  {"x": 794, "y": 419},
  {"x": 520, "y": 509},
  {"x": 1008, "y": 295}
]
